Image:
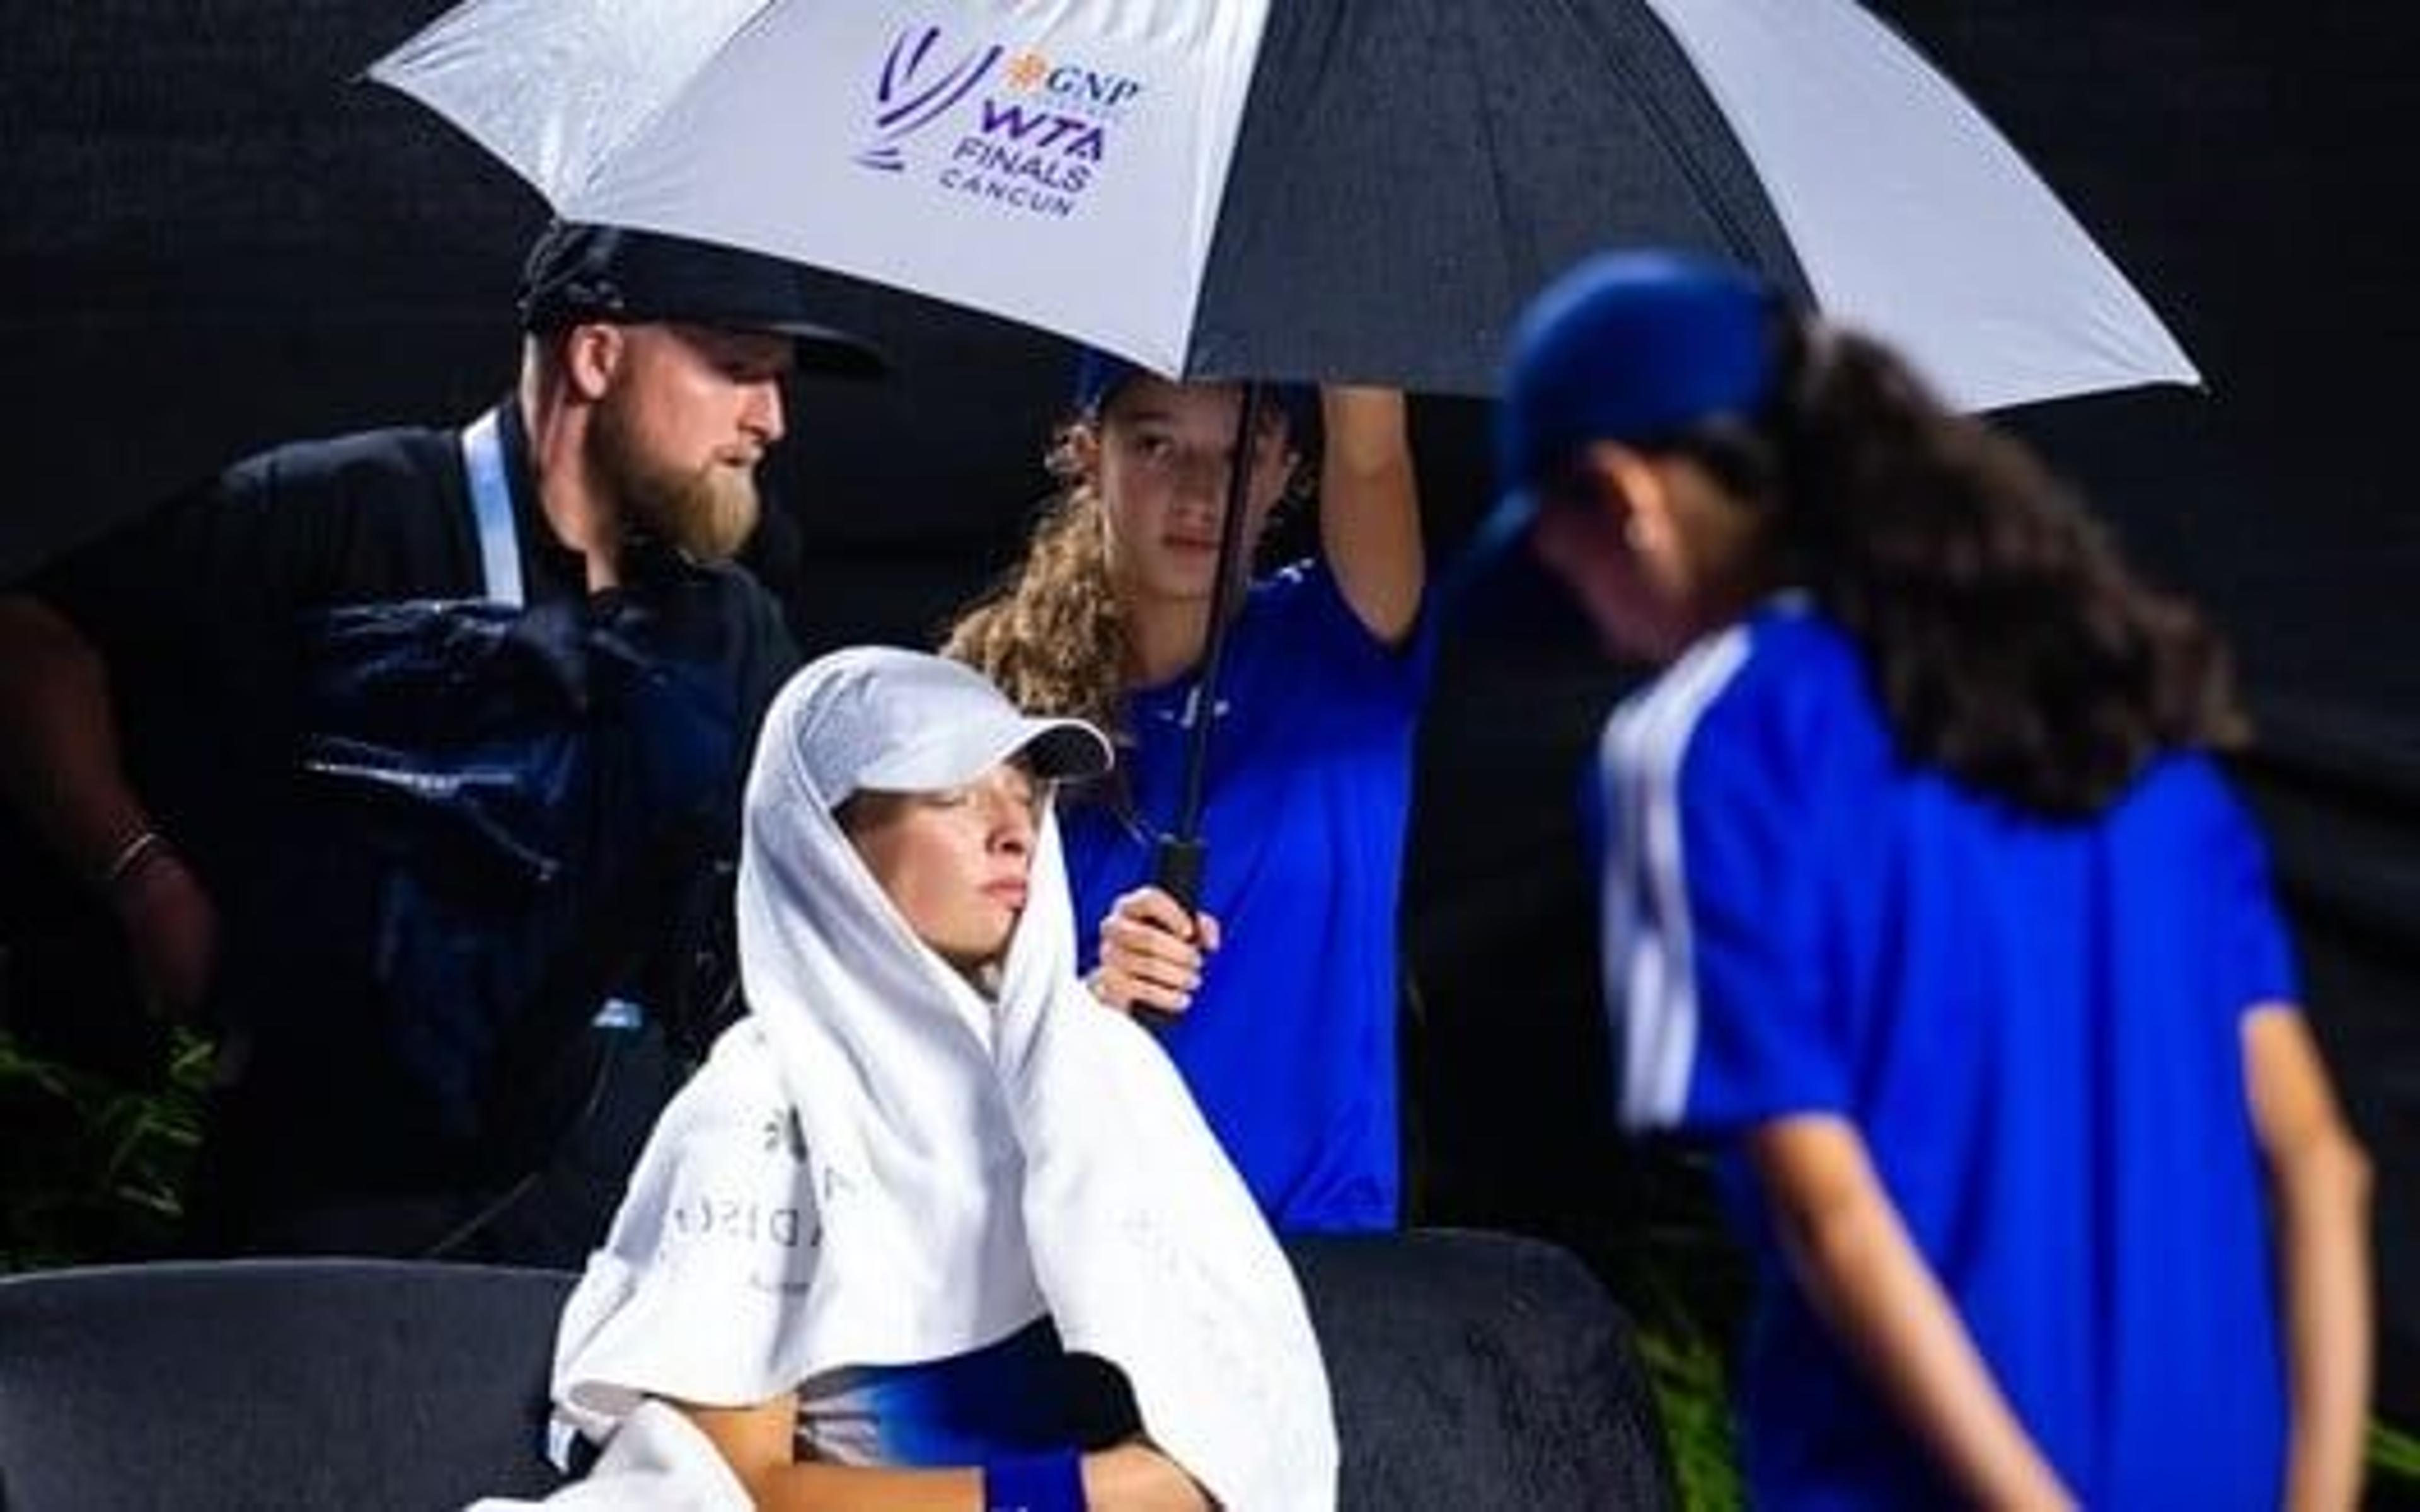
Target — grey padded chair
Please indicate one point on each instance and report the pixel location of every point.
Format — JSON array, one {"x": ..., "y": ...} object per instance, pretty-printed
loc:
[
  {"x": 321, "y": 1383},
  {"x": 1471, "y": 1371}
]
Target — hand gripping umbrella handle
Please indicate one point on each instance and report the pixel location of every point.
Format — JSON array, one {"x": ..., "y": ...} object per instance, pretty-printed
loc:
[{"x": 1176, "y": 864}]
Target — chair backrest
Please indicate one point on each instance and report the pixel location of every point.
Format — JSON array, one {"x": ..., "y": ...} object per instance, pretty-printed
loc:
[
  {"x": 265, "y": 1384},
  {"x": 1480, "y": 1370},
  {"x": 1470, "y": 1370}
]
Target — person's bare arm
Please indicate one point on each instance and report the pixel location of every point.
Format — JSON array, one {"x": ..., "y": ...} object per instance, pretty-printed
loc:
[
  {"x": 1136, "y": 1478},
  {"x": 2320, "y": 1188},
  {"x": 758, "y": 1443},
  {"x": 1369, "y": 508},
  {"x": 59, "y": 762},
  {"x": 1866, "y": 1280},
  {"x": 60, "y": 767}
]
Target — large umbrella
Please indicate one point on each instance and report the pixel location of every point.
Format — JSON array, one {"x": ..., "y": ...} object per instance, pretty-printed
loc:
[
  {"x": 1315, "y": 189},
  {"x": 1309, "y": 190}
]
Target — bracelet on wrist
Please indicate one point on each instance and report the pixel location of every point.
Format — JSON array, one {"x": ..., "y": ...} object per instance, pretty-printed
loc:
[{"x": 143, "y": 846}]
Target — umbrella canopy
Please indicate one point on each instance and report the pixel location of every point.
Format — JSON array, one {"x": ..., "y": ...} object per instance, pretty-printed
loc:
[{"x": 1308, "y": 190}]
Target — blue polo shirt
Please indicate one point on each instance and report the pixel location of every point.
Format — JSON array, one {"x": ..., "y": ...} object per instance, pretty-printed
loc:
[
  {"x": 2036, "y": 1026},
  {"x": 1290, "y": 1044}
]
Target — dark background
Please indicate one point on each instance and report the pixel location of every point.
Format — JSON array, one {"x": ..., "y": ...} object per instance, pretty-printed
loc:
[{"x": 210, "y": 237}]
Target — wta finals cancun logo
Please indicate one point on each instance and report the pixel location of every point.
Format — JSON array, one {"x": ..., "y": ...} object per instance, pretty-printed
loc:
[{"x": 1024, "y": 131}]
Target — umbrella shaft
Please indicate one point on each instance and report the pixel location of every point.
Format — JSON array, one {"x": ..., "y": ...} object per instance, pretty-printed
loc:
[{"x": 1186, "y": 839}]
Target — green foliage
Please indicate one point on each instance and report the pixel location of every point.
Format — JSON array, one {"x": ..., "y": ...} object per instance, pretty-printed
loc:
[
  {"x": 1687, "y": 1286},
  {"x": 1685, "y": 1368},
  {"x": 93, "y": 1169},
  {"x": 2394, "y": 1461}
]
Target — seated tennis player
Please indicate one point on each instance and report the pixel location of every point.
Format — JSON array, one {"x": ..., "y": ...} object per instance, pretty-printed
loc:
[{"x": 933, "y": 1228}]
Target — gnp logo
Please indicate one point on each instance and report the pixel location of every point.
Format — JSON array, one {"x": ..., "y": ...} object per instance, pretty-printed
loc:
[
  {"x": 1024, "y": 132},
  {"x": 916, "y": 88},
  {"x": 1072, "y": 87}
]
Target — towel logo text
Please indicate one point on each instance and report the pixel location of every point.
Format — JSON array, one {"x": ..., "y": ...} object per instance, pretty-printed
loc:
[{"x": 707, "y": 1216}]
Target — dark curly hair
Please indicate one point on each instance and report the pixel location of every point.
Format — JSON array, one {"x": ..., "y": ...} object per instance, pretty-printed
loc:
[{"x": 2006, "y": 639}]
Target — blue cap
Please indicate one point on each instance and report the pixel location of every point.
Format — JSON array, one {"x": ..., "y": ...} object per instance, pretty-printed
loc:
[
  {"x": 1100, "y": 375},
  {"x": 1627, "y": 346}
]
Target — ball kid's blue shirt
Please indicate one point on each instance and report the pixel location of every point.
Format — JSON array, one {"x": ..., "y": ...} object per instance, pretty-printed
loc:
[
  {"x": 1290, "y": 1044},
  {"x": 2036, "y": 1026}
]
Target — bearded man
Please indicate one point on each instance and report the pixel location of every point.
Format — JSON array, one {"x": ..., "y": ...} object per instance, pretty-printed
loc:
[{"x": 148, "y": 680}]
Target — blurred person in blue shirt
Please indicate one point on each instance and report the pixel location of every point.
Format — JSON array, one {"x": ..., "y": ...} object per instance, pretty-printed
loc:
[{"x": 1925, "y": 902}]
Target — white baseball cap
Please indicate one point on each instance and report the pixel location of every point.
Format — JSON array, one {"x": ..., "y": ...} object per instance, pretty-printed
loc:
[{"x": 876, "y": 718}]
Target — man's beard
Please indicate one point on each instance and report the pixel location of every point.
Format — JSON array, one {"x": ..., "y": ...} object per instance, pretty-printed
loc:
[{"x": 706, "y": 513}]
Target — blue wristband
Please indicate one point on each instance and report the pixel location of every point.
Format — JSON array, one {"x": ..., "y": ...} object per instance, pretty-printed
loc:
[{"x": 1051, "y": 1481}]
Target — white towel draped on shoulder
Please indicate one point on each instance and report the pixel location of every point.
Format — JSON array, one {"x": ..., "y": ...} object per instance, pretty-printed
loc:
[{"x": 880, "y": 1166}]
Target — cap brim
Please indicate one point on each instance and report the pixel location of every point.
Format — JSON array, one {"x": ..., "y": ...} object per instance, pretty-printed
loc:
[
  {"x": 1062, "y": 749},
  {"x": 1054, "y": 748},
  {"x": 825, "y": 353}
]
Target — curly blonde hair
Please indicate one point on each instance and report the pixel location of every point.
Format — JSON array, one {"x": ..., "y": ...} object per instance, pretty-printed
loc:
[{"x": 1052, "y": 631}]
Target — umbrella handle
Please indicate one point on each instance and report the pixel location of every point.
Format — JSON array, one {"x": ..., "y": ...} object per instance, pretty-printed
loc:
[
  {"x": 1175, "y": 870},
  {"x": 1176, "y": 864}
]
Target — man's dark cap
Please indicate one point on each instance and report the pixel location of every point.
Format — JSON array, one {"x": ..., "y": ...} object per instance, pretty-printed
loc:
[{"x": 579, "y": 272}]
